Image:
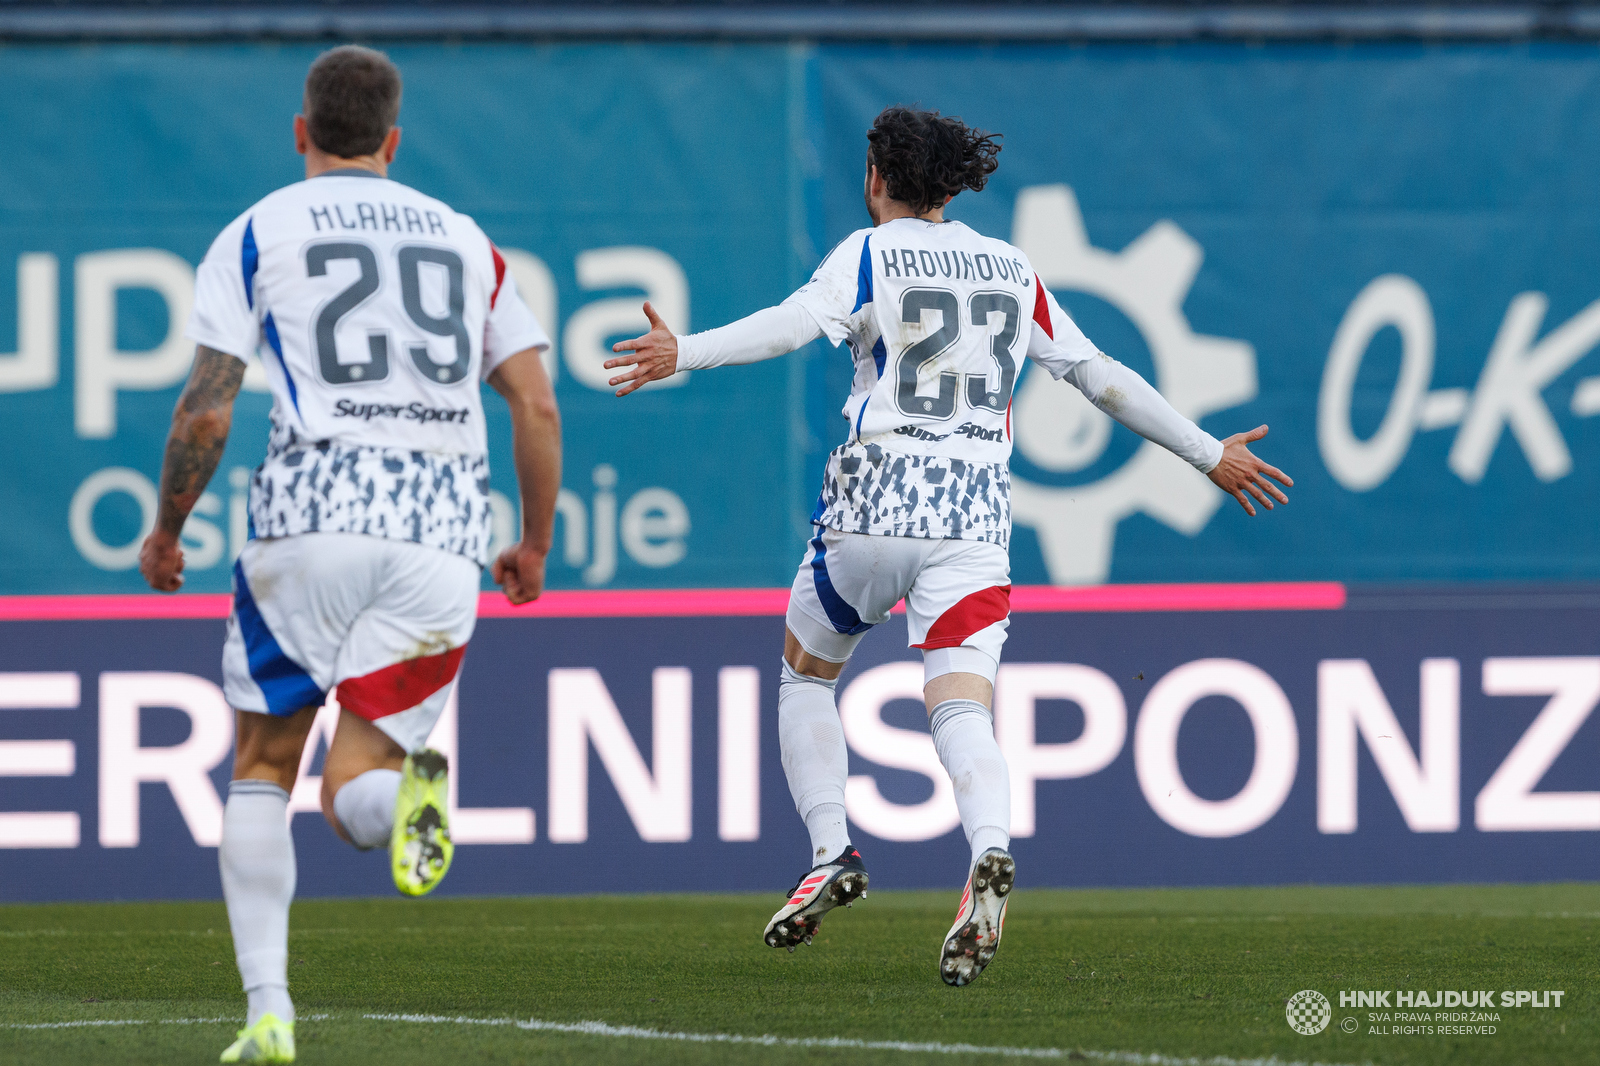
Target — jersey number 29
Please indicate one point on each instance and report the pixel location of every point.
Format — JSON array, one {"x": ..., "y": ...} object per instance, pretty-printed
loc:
[{"x": 376, "y": 368}]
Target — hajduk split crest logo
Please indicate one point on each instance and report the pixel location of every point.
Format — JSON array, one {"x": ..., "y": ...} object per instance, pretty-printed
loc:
[{"x": 1308, "y": 1012}]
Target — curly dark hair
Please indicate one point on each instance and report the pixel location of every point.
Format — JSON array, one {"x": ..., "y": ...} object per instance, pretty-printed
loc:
[{"x": 926, "y": 157}]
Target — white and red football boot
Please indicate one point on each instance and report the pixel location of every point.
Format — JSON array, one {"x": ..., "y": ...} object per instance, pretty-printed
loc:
[
  {"x": 970, "y": 945},
  {"x": 833, "y": 884}
]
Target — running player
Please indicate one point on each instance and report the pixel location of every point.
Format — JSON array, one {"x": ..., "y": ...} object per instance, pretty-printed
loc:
[
  {"x": 915, "y": 504},
  {"x": 377, "y": 311}
]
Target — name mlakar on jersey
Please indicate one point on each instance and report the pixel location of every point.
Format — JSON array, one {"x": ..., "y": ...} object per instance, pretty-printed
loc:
[
  {"x": 911, "y": 263},
  {"x": 397, "y": 218},
  {"x": 412, "y": 412}
]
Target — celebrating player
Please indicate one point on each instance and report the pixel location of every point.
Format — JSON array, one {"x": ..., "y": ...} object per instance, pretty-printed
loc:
[
  {"x": 377, "y": 311},
  {"x": 915, "y": 504}
]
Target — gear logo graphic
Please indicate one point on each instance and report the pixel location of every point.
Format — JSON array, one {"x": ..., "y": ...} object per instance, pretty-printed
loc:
[
  {"x": 1057, "y": 429},
  {"x": 1308, "y": 1012}
]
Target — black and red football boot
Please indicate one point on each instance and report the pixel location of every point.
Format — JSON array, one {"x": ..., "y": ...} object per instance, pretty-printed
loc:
[{"x": 833, "y": 884}]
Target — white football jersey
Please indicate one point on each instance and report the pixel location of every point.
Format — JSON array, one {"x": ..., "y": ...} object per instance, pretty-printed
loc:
[
  {"x": 377, "y": 311},
  {"x": 938, "y": 318}
]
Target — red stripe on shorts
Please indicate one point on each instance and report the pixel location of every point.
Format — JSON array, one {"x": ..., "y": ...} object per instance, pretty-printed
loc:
[
  {"x": 399, "y": 687},
  {"x": 971, "y": 613}
]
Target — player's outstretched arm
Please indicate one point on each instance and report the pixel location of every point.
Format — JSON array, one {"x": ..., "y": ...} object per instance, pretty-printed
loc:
[
  {"x": 1135, "y": 403},
  {"x": 659, "y": 354},
  {"x": 536, "y": 449},
  {"x": 1239, "y": 472},
  {"x": 200, "y": 425}
]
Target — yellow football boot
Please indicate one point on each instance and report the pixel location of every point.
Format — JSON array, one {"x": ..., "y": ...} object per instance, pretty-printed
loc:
[
  {"x": 420, "y": 848},
  {"x": 269, "y": 1041}
]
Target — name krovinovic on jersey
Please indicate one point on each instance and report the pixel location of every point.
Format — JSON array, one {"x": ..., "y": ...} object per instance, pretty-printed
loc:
[
  {"x": 923, "y": 263},
  {"x": 411, "y": 412}
]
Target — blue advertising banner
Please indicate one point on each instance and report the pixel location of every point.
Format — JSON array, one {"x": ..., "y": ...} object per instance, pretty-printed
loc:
[
  {"x": 1382, "y": 251},
  {"x": 1393, "y": 740}
]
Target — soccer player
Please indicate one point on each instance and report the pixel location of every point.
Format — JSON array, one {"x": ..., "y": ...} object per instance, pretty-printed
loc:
[
  {"x": 377, "y": 310},
  {"x": 915, "y": 504}
]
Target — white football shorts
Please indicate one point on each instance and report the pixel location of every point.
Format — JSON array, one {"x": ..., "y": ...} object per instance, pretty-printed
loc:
[
  {"x": 383, "y": 622},
  {"x": 957, "y": 593}
]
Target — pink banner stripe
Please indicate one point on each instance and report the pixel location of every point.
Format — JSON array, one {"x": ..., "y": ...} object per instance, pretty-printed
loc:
[
  {"x": 640, "y": 603},
  {"x": 723, "y": 603},
  {"x": 1267, "y": 596},
  {"x": 1025, "y": 599},
  {"x": 136, "y": 607}
]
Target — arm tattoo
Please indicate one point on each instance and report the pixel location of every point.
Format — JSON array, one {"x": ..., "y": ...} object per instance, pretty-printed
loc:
[{"x": 200, "y": 427}]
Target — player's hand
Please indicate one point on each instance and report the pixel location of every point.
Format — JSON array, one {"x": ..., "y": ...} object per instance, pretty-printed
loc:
[
  {"x": 1241, "y": 472},
  {"x": 161, "y": 562},
  {"x": 655, "y": 355},
  {"x": 520, "y": 571}
]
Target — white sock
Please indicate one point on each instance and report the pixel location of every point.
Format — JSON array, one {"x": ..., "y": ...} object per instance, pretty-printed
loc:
[
  {"x": 963, "y": 734},
  {"x": 258, "y": 873},
  {"x": 830, "y": 833},
  {"x": 815, "y": 760},
  {"x": 365, "y": 806}
]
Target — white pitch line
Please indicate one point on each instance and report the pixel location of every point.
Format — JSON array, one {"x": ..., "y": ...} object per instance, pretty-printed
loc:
[
  {"x": 1124, "y": 1058},
  {"x": 79, "y": 1025},
  {"x": 148, "y": 1021}
]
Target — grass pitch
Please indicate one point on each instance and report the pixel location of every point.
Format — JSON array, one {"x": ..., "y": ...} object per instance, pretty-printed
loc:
[{"x": 1101, "y": 975}]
